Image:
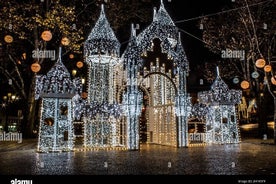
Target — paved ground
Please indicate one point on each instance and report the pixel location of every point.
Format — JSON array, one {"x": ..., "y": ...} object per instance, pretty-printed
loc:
[{"x": 252, "y": 159}]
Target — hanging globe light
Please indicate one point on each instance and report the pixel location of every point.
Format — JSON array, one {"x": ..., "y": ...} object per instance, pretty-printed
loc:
[
  {"x": 8, "y": 39},
  {"x": 236, "y": 80},
  {"x": 244, "y": 84},
  {"x": 273, "y": 80},
  {"x": 267, "y": 68},
  {"x": 35, "y": 67},
  {"x": 46, "y": 35},
  {"x": 79, "y": 64},
  {"x": 71, "y": 56},
  {"x": 260, "y": 63},
  {"x": 65, "y": 41}
]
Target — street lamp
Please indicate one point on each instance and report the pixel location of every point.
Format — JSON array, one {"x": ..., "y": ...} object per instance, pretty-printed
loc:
[{"x": 74, "y": 72}]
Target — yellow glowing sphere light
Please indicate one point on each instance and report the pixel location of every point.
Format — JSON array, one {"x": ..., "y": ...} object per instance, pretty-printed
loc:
[{"x": 260, "y": 63}]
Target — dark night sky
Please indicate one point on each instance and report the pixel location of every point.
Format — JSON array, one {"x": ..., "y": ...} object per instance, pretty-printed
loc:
[{"x": 186, "y": 15}]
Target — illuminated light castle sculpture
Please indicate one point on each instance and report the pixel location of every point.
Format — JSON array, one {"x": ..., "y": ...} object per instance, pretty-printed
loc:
[
  {"x": 149, "y": 78},
  {"x": 58, "y": 94},
  {"x": 221, "y": 117},
  {"x": 153, "y": 66}
]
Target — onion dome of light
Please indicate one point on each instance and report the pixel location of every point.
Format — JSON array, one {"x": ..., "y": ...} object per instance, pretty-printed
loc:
[{"x": 102, "y": 38}]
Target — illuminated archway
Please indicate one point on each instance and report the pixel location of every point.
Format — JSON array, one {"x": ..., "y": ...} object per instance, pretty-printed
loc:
[{"x": 161, "y": 125}]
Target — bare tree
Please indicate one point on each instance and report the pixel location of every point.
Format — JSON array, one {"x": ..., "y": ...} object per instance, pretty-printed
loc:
[
  {"x": 23, "y": 22},
  {"x": 242, "y": 33}
]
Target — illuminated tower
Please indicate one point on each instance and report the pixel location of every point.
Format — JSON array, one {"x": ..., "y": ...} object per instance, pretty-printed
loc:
[
  {"x": 221, "y": 118},
  {"x": 132, "y": 98},
  {"x": 101, "y": 52},
  {"x": 57, "y": 92}
]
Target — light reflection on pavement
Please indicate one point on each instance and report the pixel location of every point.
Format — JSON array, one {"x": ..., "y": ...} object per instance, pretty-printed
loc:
[{"x": 246, "y": 158}]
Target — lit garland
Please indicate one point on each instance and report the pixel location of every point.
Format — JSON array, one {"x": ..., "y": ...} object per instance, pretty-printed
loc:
[
  {"x": 56, "y": 131},
  {"x": 221, "y": 120}
]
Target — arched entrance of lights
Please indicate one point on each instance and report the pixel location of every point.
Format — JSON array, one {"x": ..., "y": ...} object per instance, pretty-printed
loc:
[
  {"x": 172, "y": 130},
  {"x": 123, "y": 120},
  {"x": 161, "y": 120},
  {"x": 181, "y": 102}
]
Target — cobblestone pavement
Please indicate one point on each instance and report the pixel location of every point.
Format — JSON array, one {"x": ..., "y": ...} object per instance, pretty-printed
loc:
[{"x": 249, "y": 158}]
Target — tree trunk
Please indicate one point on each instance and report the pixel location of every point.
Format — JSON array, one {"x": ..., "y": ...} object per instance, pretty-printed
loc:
[
  {"x": 31, "y": 112},
  {"x": 262, "y": 115},
  {"x": 31, "y": 105}
]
